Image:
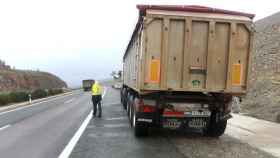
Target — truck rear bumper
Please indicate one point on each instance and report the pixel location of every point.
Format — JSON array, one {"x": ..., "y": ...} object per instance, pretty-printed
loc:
[{"x": 174, "y": 123}]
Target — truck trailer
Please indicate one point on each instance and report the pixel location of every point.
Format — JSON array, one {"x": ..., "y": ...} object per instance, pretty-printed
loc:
[
  {"x": 183, "y": 65},
  {"x": 87, "y": 84}
]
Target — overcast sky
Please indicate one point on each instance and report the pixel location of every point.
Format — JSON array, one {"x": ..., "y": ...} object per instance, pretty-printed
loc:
[{"x": 79, "y": 39}]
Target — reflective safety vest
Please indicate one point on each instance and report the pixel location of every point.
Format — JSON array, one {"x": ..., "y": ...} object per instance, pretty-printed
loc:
[{"x": 96, "y": 89}]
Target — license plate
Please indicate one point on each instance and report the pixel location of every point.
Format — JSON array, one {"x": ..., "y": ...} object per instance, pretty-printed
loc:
[
  {"x": 201, "y": 113},
  {"x": 197, "y": 123}
]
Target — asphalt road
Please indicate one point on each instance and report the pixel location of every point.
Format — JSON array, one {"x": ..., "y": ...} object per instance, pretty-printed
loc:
[
  {"x": 112, "y": 137},
  {"x": 42, "y": 130},
  {"x": 45, "y": 130}
]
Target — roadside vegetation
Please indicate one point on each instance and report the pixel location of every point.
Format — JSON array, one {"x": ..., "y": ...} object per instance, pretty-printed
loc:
[{"x": 21, "y": 96}]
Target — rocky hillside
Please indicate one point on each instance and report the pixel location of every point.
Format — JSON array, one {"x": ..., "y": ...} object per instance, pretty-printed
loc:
[
  {"x": 263, "y": 100},
  {"x": 11, "y": 80}
]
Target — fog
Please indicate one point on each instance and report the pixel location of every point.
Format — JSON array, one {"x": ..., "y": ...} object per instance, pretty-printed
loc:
[{"x": 81, "y": 39}]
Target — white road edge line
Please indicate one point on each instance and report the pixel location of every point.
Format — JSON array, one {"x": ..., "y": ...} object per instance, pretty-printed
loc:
[
  {"x": 27, "y": 106},
  {"x": 74, "y": 140},
  {"x": 105, "y": 90},
  {"x": 4, "y": 127},
  {"x": 70, "y": 146}
]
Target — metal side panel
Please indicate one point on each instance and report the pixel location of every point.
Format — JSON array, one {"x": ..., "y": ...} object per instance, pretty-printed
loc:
[
  {"x": 175, "y": 54},
  {"x": 153, "y": 54}
]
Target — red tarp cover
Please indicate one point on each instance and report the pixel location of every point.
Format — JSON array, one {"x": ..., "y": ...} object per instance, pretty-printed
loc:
[{"x": 192, "y": 8}]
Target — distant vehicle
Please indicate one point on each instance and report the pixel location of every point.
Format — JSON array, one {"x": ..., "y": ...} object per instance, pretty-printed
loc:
[
  {"x": 87, "y": 84},
  {"x": 117, "y": 85},
  {"x": 183, "y": 65}
]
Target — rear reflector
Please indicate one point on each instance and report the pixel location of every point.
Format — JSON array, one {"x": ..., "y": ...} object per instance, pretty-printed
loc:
[{"x": 236, "y": 74}]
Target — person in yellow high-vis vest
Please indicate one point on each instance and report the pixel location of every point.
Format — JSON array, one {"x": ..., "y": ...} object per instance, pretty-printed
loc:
[{"x": 96, "y": 98}]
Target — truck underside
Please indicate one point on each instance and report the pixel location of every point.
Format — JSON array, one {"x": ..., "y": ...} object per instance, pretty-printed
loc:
[{"x": 189, "y": 111}]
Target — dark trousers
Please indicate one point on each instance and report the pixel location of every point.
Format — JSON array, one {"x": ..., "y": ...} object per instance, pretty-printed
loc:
[{"x": 96, "y": 101}]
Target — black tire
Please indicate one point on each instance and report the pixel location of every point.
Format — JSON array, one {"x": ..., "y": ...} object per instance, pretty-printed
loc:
[
  {"x": 130, "y": 114},
  {"x": 121, "y": 95},
  {"x": 128, "y": 103},
  {"x": 216, "y": 129},
  {"x": 124, "y": 102}
]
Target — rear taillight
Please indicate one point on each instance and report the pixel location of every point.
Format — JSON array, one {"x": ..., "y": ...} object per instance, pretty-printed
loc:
[
  {"x": 173, "y": 114},
  {"x": 143, "y": 107},
  {"x": 147, "y": 108}
]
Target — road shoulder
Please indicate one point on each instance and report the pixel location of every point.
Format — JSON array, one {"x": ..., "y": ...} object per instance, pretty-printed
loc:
[{"x": 258, "y": 133}]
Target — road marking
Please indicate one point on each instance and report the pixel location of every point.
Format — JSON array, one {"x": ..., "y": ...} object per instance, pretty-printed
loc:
[
  {"x": 69, "y": 101},
  {"x": 105, "y": 90},
  {"x": 27, "y": 106},
  {"x": 70, "y": 146},
  {"x": 4, "y": 127},
  {"x": 74, "y": 140}
]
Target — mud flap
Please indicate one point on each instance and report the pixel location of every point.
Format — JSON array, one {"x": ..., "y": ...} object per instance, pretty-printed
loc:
[{"x": 225, "y": 117}]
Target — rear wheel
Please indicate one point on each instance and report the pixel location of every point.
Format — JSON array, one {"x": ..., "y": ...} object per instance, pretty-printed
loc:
[
  {"x": 130, "y": 114},
  {"x": 124, "y": 98},
  {"x": 121, "y": 95},
  {"x": 216, "y": 129},
  {"x": 128, "y": 104}
]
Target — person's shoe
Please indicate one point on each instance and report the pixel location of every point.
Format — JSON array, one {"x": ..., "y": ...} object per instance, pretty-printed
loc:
[{"x": 99, "y": 116}]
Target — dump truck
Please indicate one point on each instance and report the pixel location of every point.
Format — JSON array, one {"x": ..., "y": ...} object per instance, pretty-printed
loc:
[
  {"x": 183, "y": 65},
  {"x": 87, "y": 84}
]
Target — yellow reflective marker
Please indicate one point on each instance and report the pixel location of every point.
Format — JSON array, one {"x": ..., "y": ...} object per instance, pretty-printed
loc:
[
  {"x": 154, "y": 75},
  {"x": 236, "y": 74}
]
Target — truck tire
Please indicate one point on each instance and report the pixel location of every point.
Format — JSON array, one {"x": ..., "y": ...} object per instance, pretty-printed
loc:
[
  {"x": 121, "y": 95},
  {"x": 140, "y": 129},
  {"x": 216, "y": 129},
  {"x": 130, "y": 116},
  {"x": 129, "y": 102},
  {"x": 124, "y": 96}
]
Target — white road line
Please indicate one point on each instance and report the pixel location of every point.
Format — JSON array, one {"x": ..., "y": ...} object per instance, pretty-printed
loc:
[
  {"x": 23, "y": 107},
  {"x": 68, "y": 101},
  {"x": 4, "y": 127},
  {"x": 70, "y": 146},
  {"x": 105, "y": 90}
]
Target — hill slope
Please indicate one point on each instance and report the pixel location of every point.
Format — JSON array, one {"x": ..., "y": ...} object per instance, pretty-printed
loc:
[
  {"x": 11, "y": 80},
  {"x": 263, "y": 100}
]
